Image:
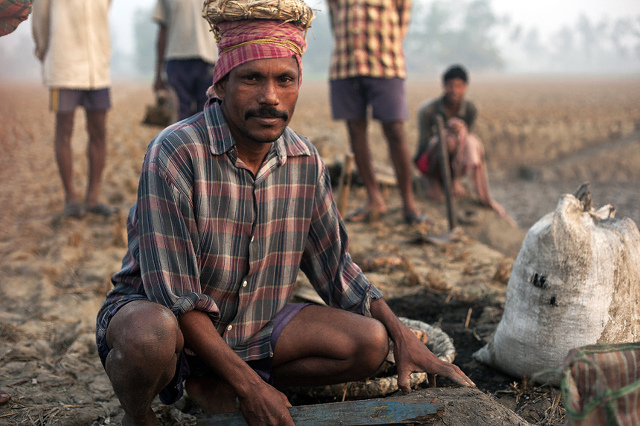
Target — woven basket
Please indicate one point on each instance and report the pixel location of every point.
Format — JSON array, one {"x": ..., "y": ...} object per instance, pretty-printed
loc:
[
  {"x": 294, "y": 11},
  {"x": 439, "y": 343}
]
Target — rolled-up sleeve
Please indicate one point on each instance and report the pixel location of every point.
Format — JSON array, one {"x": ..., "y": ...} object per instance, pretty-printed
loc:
[
  {"x": 326, "y": 261},
  {"x": 168, "y": 239}
]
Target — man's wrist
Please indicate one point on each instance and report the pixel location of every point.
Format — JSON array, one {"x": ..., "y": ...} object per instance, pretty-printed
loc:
[
  {"x": 248, "y": 384},
  {"x": 381, "y": 311}
]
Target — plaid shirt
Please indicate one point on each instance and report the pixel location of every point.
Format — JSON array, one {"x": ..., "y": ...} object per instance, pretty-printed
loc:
[
  {"x": 12, "y": 12},
  {"x": 207, "y": 234},
  {"x": 368, "y": 37}
]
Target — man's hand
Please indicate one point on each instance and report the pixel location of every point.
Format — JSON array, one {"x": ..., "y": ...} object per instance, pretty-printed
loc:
[
  {"x": 411, "y": 355},
  {"x": 159, "y": 84},
  {"x": 260, "y": 403},
  {"x": 265, "y": 406}
]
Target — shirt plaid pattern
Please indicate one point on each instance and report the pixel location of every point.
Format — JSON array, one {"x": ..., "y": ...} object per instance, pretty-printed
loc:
[
  {"x": 368, "y": 37},
  {"x": 206, "y": 234},
  {"x": 12, "y": 12}
]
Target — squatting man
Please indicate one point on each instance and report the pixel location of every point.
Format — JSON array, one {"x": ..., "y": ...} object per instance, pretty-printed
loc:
[{"x": 231, "y": 204}]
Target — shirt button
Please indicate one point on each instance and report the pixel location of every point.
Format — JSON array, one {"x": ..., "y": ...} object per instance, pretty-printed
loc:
[
  {"x": 244, "y": 284},
  {"x": 229, "y": 328}
]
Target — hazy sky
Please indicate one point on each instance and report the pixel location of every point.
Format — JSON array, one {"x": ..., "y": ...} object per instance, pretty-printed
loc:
[
  {"x": 547, "y": 15},
  {"x": 551, "y": 15}
]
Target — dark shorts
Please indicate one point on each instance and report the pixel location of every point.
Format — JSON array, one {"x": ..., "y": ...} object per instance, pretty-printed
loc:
[
  {"x": 66, "y": 100},
  {"x": 351, "y": 98},
  {"x": 191, "y": 365},
  {"x": 190, "y": 79}
]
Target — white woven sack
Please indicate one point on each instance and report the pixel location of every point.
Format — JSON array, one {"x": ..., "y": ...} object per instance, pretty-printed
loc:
[{"x": 575, "y": 282}]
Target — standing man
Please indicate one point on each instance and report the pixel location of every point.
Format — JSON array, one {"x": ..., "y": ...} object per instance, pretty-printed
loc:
[
  {"x": 72, "y": 42},
  {"x": 368, "y": 69},
  {"x": 186, "y": 51},
  {"x": 232, "y": 204},
  {"x": 466, "y": 152}
]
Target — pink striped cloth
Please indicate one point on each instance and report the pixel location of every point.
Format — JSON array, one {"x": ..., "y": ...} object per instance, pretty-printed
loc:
[
  {"x": 244, "y": 41},
  {"x": 601, "y": 385}
]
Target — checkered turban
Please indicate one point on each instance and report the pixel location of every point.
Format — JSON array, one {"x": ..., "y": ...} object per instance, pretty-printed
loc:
[{"x": 247, "y": 40}]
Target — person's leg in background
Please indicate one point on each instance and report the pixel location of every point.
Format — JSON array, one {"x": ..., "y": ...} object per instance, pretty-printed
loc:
[
  {"x": 203, "y": 82},
  {"x": 63, "y": 104},
  {"x": 96, "y": 103},
  {"x": 349, "y": 103},
  {"x": 178, "y": 77},
  {"x": 389, "y": 105}
]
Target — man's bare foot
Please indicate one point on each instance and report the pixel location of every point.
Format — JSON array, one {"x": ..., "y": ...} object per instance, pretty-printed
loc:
[
  {"x": 211, "y": 394},
  {"x": 364, "y": 215}
]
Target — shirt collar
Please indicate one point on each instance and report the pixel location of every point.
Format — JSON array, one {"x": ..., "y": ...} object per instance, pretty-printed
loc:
[{"x": 221, "y": 141}]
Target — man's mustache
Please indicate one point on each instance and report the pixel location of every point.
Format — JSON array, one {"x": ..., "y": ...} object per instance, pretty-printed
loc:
[{"x": 269, "y": 112}]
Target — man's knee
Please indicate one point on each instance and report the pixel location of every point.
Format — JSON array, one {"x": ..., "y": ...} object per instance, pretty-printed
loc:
[
  {"x": 97, "y": 125},
  {"x": 64, "y": 126},
  {"x": 144, "y": 333},
  {"x": 372, "y": 347}
]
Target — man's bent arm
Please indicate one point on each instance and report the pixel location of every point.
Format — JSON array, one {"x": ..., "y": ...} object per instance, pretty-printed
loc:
[
  {"x": 40, "y": 27},
  {"x": 260, "y": 403},
  {"x": 161, "y": 45},
  {"x": 411, "y": 355}
]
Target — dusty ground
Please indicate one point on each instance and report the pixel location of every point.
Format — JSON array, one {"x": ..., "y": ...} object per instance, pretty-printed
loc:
[{"x": 543, "y": 137}]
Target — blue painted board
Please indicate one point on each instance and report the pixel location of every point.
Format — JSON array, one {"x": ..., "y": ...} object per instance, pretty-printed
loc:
[{"x": 367, "y": 412}]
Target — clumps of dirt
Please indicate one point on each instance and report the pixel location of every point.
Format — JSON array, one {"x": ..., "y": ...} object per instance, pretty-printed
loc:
[{"x": 470, "y": 322}]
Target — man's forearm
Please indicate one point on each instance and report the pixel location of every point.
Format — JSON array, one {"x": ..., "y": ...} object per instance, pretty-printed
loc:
[
  {"x": 161, "y": 44},
  {"x": 383, "y": 313},
  {"x": 201, "y": 337}
]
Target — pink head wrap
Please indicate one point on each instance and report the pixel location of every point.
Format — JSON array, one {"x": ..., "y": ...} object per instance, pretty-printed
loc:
[{"x": 247, "y": 40}]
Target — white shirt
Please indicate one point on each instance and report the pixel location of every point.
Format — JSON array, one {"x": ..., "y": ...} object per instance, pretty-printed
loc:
[
  {"x": 188, "y": 33},
  {"x": 72, "y": 41}
]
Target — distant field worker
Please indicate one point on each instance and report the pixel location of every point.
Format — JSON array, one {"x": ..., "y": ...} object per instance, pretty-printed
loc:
[
  {"x": 466, "y": 152},
  {"x": 368, "y": 71},
  {"x": 72, "y": 42},
  {"x": 12, "y": 13},
  {"x": 186, "y": 51}
]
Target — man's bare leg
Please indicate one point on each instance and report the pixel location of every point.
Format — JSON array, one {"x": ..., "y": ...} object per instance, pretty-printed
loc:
[
  {"x": 64, "y": 154},
  {"x": 212, "y": 394},
  {"x": 399, "y": 153},
  {"x": 96, "y": 152},
  {"x": 319, "y": 346},
  {"x": 145, "y": 343},
  {"x": 324, "y": 345},
  {"x": 360, "y": 147}
]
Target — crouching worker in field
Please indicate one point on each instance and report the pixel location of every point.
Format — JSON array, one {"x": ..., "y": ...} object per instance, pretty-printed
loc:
[
  {"x": 466, "y": 152},
  {"x": 231, "y": 204}
]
